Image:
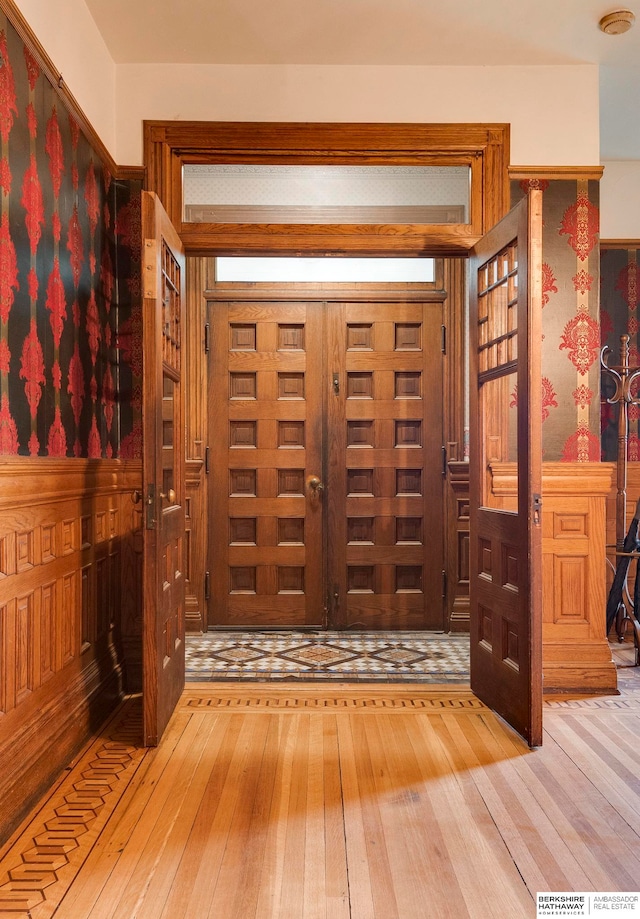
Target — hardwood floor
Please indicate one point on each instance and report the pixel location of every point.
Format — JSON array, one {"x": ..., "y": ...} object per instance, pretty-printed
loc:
[{"x": 368, "y": 802}]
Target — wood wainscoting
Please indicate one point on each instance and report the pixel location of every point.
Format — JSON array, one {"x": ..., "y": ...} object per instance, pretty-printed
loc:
[
  {"x": 70, "y": 613},
  {"x": 458, "y": 547},
  {"x": 575, "y": 652}
]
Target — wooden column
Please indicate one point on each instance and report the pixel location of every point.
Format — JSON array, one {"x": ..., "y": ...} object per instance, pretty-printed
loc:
[{"x": 576, "y": 655}]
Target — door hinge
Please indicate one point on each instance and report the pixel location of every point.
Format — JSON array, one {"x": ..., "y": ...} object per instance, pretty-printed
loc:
[
  {"x": 443, "y": 341},
  {"x": 207, "y": 338},
  {"x": 206, "y": 460},
  {"x": 537, "y": 509},
  {"x": 444, "y": 584},
  {"x": 207, "y": 586},
  {"x": 444, "y": 461},
  {"x": 150, "y": 506}
]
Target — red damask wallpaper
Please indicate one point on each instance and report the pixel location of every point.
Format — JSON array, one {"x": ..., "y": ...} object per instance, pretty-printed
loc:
[
  {"x": 570, "y": 319},
  {"x": 70, "y": 345},
  {"x": 619, "y": 297}
]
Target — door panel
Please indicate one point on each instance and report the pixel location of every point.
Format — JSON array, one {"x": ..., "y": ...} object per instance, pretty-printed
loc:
[
  {"x": 266, "y": 400},
  {"x": 163, "y": 469},
  {"x": 505, "y": 408},
  {"x": 385, "y": 469},
  {"x": 370, "y": 405}
]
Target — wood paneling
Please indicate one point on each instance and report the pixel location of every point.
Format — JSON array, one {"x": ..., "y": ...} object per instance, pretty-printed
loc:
[
  {"x": 69, "y": 595},
  {"x": 200, "y": 277},
  {"x": 575, "y": 651},
  {"x": 457, "y": 559}
]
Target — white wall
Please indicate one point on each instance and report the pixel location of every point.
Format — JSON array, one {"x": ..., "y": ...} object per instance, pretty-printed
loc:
[
  {"x": 619, "y": 123},
  {"x": 553, "y": 110},
  {"x": 68, "y": 34},
  {"x": 620, "y": 200}
]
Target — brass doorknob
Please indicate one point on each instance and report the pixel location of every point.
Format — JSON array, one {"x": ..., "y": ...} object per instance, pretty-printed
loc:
[
  {"x": 315, "y": 484},
  {"x": 170, "y": 496}
]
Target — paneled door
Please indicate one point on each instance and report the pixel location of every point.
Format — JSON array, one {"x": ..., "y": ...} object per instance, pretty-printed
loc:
[
  {"x": 163, "y": 469},
  {"x": 506, "y": 420},
  {"x": 327, "y": 465},
  {"x": 385, "y": 501},
  {"x": 267, "y": 497}
]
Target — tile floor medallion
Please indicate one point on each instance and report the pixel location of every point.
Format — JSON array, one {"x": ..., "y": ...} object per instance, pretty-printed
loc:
[{"x": 385, "y": 657}]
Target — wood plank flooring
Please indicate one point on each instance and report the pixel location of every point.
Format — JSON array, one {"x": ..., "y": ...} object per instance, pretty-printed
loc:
[{"x": 310, "y": 802}]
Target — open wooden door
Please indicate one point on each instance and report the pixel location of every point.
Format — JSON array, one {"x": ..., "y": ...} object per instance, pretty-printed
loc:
[
  {"x": 163, "y": 662},
  {"x": 505, "y": 414}
]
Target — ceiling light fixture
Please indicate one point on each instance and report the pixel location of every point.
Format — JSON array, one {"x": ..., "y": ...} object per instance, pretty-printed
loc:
[{"x": 617, "y": 22}]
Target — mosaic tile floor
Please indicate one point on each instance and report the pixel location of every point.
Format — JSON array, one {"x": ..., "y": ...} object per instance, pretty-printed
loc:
[{"x": 385, "y": 657}]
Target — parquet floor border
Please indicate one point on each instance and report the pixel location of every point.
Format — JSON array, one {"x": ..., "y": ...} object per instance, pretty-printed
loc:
[
  {"x": 335, "y": 699},
  {"x": 42, "y": 858}
]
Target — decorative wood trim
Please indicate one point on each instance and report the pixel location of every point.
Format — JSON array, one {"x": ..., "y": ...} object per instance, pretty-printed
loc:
[
  {"x": 442, "y": 701},
  {"x": 556, "y": 172},
  {"x": 169, "y": 144},
  {"x": 334, "y": 292},
  {"x": 54, "y": 76},
  {"x": 619, "y": 244},
  {"x": 576, "y": 655},
  {"x": 402, "y": 240},
  {"x": 36, "y": 480},
  {"x": 317, "y": 214},
  {"x": 557, "y": 479}
]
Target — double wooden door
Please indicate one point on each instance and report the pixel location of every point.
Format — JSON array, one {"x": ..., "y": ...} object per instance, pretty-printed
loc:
[{"x": 327, "y": 464}]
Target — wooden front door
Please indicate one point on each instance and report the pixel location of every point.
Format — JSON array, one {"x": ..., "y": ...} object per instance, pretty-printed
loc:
[
  {"x": 327, "y": 506},
  {"x": 163, "y": 469},
  {"x": 505, "y": 411}
]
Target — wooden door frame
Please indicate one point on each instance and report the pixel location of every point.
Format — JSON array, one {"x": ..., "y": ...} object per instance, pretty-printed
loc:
[{"x": 169, "y": 145}]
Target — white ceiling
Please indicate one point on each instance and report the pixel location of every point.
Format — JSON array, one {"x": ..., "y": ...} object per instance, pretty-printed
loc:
[
  {"x": 362, "y": 31},
  {"x": 388, "y": 32}
]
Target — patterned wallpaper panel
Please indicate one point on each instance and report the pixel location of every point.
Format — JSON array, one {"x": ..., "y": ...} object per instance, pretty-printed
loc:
[
  {"x": 570, "y": 318},
  {"x": 70, "y": 351},
  {"x": 619, "y": 295}
]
